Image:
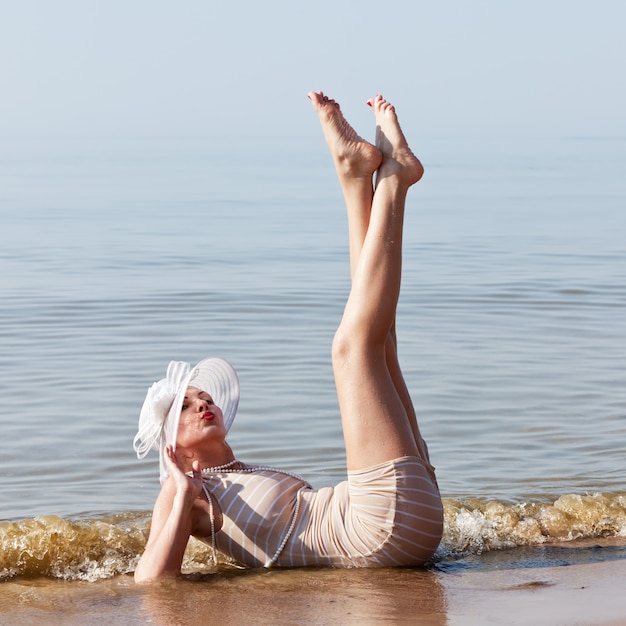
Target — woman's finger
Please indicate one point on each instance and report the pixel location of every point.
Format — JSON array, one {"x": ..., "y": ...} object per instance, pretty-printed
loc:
[{"x": 197, "y": 472}]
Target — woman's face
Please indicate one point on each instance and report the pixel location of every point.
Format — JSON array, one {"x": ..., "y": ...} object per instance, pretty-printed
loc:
[{"x": 200, "y": 418}]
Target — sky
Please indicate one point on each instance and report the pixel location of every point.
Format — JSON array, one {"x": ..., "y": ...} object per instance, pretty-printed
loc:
[{"x": 125, "y": 68}]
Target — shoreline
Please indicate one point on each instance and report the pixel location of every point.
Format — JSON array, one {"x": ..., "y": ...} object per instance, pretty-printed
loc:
[{"x": 589, "y": 591}]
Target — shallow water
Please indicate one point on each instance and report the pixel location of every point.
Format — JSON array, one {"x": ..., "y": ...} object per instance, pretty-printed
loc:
[
  {"x": 119, "y": 256},
  {"x": 555, "y": 586}
]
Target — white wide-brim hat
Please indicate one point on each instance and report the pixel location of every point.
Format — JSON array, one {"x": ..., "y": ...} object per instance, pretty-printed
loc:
[{"x": 160, "y": 413}]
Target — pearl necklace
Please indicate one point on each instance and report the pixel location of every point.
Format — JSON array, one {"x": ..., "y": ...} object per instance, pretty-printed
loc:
[
  {"x": 219, "y": 468},
  {"x": 207, "y": 493},
  {"x": 244, "y": 469},
  {"x": 229, "y": 467}
]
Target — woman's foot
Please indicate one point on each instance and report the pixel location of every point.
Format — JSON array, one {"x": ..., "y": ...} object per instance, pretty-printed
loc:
[
  {"x": 353, "y": 156},
  {"x": 390, "y": 140}
]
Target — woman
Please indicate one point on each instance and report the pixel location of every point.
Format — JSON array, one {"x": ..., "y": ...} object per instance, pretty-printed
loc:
[{"x": 389, "y": 510}]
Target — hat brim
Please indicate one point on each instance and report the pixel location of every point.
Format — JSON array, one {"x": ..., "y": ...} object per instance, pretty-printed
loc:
[{"x": 219, "y": 379}]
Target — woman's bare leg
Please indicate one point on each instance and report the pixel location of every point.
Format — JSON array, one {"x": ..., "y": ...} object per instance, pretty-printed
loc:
[
  {"x": 393, "y": 364},
  {"x": 379, "y": 419},
  {"x": 355, "y": 160}
]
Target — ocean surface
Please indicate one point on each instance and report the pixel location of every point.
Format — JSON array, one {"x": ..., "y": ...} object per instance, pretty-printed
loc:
[{"x": 117, "y": 256}]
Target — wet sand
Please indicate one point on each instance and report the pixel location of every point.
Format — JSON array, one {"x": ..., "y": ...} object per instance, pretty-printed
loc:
[{"x": 585, "y": 593}]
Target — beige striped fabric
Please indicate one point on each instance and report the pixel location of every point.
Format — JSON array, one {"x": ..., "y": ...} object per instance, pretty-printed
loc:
[{"x": 386, "y": 515}]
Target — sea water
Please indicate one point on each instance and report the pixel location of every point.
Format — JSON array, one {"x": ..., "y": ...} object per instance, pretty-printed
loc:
[{"x": 119, "y": 255}]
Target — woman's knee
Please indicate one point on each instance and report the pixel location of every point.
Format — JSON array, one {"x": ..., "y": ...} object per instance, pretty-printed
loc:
[
  {"x": 351, "y": 344},
  {"x": 340, "y": 347}
]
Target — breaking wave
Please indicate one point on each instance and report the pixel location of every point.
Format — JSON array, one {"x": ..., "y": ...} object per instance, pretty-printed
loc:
[{"x": 102, "y": 546}]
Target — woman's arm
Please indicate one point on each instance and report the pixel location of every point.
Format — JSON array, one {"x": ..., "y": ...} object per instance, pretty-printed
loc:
[{"x": 171, "y": 523}]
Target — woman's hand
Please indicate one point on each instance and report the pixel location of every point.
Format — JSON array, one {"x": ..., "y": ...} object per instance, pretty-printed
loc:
[{"x": 190, "y": 486}]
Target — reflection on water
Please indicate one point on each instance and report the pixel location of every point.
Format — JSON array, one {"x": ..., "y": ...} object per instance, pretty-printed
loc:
[
  {"x": 441, "y": 597},
  {"x": 360, "y": 597}
]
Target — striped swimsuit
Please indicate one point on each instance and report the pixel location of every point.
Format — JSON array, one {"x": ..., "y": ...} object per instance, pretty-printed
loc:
[{"x": 386, "y": 515}]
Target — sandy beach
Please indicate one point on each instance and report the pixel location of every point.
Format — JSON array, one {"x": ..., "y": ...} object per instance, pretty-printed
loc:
[{"x": 589, "y": 593}]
